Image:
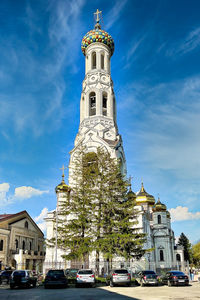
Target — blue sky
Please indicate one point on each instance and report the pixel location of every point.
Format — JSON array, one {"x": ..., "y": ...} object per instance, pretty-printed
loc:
[{"x": 156, "y": 74}]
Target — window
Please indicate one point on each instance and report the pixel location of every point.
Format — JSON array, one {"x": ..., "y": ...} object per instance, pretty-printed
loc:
[
  {"x": 104, "y": 104},
  {"x": 1, "y": 245},
  {"x": 26, "y": 225},
  {"x": 16, "y": 244},
  {"x": 23, "y": 245},
  {"x": 94, "y": 60},
  {"x": 159, "y": 219},
  {"x": 102, "y": 61},
  {"x": 92, "y": 103},
  {"x": 161, "y": 255},
  {"x": 178, "y": 257}
]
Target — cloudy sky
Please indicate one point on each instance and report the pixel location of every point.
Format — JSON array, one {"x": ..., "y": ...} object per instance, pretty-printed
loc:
[{"x": 156, "y": 74}]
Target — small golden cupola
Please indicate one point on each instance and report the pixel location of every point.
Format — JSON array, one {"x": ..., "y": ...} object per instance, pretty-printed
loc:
[
  {"x": 142, "y": 197},
  {"x": 159, "y": 206},
  {"x": 131, "y": 195},
  {"x": 62, "y": 187}
]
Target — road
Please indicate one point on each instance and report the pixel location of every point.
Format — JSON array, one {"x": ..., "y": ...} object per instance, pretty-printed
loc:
[{"x": 191, "y": 292}]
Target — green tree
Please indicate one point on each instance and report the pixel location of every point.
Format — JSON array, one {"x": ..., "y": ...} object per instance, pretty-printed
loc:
[
  {"x": 196, "y": 254},
  {"x": 184, "y": 241},
  {"x": 100, "y": 214}
]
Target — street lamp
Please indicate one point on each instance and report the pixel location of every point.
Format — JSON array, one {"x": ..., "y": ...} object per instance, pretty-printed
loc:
[{"x": 148, "y": 258}]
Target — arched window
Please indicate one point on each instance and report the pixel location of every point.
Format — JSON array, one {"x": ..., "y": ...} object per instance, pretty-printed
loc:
[
  {"x": 161, "y": 255},
  {"x": 104, "y": 103},
  {"x": 92, "y": 103},
  {"x": 23, "y": 245},
  {"x": 94, "y": 60},
  {"x": 178, "y": 257},
  {"x": 159, "y": 219},
  {"x": 102, "y": 61},
  {"x": 1, "y": 245},
  {"x": 26, "y": 225},
  {"x": 16, "y": 244}
]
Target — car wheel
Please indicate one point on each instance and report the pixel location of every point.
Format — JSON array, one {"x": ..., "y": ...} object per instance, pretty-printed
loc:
[
  {"x": 12, "y": 286},
  {"x": 128, "y": 284},
  {"x": 34, "y": 284},
  {"x": 169, "y": 283}
]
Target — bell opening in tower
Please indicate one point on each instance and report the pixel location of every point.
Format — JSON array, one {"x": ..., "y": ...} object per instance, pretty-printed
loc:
[{"x": 92, "y": 104}]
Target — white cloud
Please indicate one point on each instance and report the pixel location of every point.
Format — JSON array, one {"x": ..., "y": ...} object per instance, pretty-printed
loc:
[
  {"x": 40, "y": 219},
  {"x": 26, "y": 192},
  {"x": 181, "y": 213},
  {"x": 42, "y": 226},
  {"x": 114, "y": 13},
  {"x": 42, "y": 215},
  {"x": 4, "y": 187},
  {"x": 188, "y": 44}
]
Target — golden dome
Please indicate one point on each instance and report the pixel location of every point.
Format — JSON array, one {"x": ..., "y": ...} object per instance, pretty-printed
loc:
[
  {"x": 142, "y": 197},
  {"x": 62, "y": 187},
  {"x": 168, "y": 214},
  {"x": 131, "y": 194},
  {"x": 159, "y": 206}
]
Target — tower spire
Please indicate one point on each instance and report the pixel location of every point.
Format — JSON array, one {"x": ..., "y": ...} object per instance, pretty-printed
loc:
[{"x": 63, "y": 174}]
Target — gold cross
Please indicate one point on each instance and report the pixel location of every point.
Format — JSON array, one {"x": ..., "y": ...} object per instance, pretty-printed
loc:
[
  {"x": 63, "y": 168},
  {"x": 98, "y": 13}
]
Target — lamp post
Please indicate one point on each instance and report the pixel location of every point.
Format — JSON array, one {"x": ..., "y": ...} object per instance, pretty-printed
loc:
[{"x": 148, "y": 258}]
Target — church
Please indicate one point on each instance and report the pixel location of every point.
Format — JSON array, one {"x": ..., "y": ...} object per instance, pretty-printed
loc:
[{"x": 98, "y": 128}]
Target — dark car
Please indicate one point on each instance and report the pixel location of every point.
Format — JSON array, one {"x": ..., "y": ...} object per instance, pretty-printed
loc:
[
  {"x": 71, "y": 274},
  {"x": 175, "y": 278},
  {"x": 147, "y": 278},
  {"x": 118, "y": 277},
  {"x": 55, "y": 278},
  {"x": 22, "y": 278},
  {"x": 5, "y": 276}
]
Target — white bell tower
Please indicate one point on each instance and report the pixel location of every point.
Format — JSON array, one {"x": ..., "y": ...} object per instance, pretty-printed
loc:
[{"x": 98, "y": 124}]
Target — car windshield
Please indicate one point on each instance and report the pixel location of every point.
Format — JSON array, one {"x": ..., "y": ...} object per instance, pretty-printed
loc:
[
  {"x": 88, "y": 272},
  {"x": 19, "y": 273},
  {"x": 71, "y": 271},
  {"x": 177, "y": 273},
  {"x": 55, "y": 272},
  {"x": 149, "y": 272},
  {"x": 120, "y": 271}
]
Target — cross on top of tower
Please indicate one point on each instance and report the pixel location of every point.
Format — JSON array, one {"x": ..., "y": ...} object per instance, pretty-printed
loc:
[
  {"x": 97, "y": 16},
  {"x": 98, "y": 13},
  {"x": 63, "y": 174}
]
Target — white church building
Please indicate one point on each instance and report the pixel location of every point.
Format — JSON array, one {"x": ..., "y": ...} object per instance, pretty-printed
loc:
[{"x": 98, "y": 128}]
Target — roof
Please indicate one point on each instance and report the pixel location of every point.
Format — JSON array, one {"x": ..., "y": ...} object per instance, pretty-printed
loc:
[{"x": 10, "y": 217}]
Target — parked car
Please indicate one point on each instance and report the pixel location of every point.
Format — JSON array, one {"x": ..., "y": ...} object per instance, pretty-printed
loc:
[
  {"x": 85, "y": 277},
  {"x": 71, "y": 274},
  {"x": 147, "y": 278},
  {"x": 22, "y": 278},
  {"x": 118, "y": 277},
  {"x": 5, "y": 276},
  {"x": 175, "y": 278},
  {"x": 55, "y": 278}
]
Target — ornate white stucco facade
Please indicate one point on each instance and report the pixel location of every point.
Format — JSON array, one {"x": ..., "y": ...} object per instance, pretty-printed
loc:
[{"x": 98, "y": 128}]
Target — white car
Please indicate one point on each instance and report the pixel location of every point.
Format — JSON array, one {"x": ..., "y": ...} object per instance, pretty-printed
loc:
[{"x": 85, "y": 276}]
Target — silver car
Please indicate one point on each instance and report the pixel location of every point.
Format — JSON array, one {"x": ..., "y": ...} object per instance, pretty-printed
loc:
[
  {"x": 118, "y": 277},
  {"x": 85, "y": 277}
]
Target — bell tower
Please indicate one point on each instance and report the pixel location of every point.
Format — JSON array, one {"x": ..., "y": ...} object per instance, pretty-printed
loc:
[{"x": 98, "y": 123}]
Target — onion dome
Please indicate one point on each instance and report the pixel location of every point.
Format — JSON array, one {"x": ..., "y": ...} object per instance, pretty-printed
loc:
[
  {"x": 142, "y": 197},
  {"x": 168, "y": 215},
  {"x": 62, "y": 187},
  {"x": 97, "y": 35},
  {"x": 131, "y": 194},
  {"x": 159, "y": 206}
]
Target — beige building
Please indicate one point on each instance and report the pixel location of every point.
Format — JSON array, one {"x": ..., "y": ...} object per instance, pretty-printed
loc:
[{"x": 21, "y": 242}]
